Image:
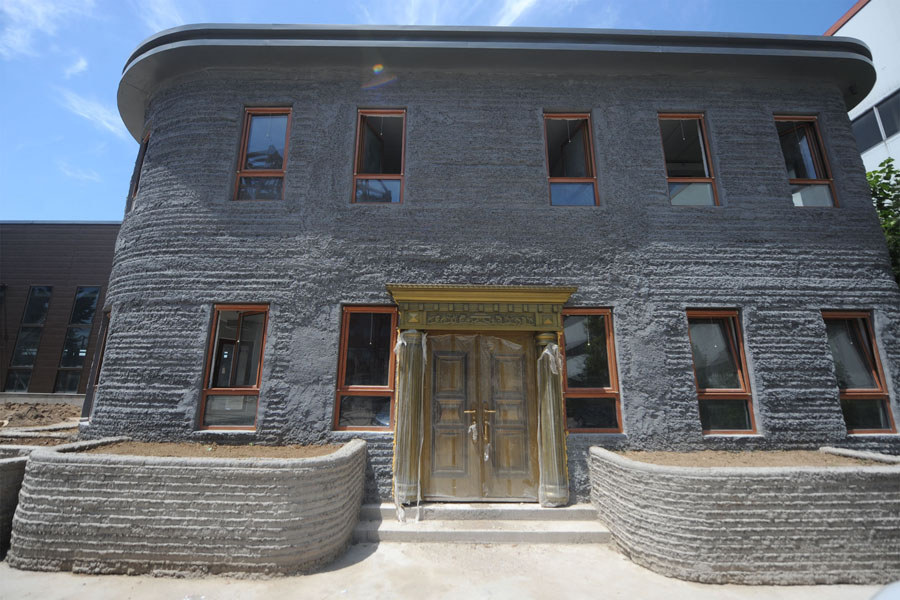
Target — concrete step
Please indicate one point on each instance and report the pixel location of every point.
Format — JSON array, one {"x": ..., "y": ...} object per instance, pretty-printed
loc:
[
  {"x": 482, "y": 531},
  {"x": 497, "y": 511}
]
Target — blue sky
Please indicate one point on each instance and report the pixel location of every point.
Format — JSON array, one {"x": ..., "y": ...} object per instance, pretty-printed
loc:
[{"x": 65, "y": 154}]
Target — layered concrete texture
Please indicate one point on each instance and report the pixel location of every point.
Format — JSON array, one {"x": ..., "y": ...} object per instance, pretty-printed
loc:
[
  {"x": 104, "y": 513},
  {"x": 476, "y": 211},
  {"x": 777, "y": 525},
  {"x": 12, "y": 469}
]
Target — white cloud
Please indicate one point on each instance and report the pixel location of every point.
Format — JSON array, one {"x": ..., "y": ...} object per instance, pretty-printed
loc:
[
  {"x": 23, "y": 20},
  {"x": 79, "y": 66},
  {"x": 99, "y": 114},
  {"x": 419, "y": 12},
  {"x": 512, "y": 11},
  {"x": 80, "y": 174},
  {"x": 158, "y": 14}
]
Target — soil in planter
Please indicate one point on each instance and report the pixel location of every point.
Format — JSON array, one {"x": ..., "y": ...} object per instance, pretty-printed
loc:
[
  {"x": 759, "y": 458},
  {"x": 35, "y": 441},
  {"x": 36, "y": 414},
  {"x": 193, "y": 450}
]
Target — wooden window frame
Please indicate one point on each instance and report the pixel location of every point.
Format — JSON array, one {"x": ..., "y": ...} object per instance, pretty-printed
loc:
[
  {"x": 249, "y": 113},
  {"x": 94, "y": 373},
  {"x": 711, "y": 179},
  {"x": 136, "y": 176},
  {"x": 358, "y": 153},
  {"x": 364, "y": 390},
  {"x": 607, "y": 392},
  {"x": 820, "y": 157},
  {"x": 232, "y": 391},
  {"x": 589, "y": 155},
  {"x": 880, "y": 392},
  {"x": 741, "y": 394}
]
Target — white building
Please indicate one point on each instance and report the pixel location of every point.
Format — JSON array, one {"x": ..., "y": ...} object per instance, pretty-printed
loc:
[{"x": 876, "y": 120}]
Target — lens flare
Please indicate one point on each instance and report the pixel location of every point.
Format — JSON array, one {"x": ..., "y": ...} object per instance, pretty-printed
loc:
[{"x": 378, "y": 68}]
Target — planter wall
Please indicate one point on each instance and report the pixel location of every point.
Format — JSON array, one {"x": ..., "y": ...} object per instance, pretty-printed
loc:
[
  {"x": 102, "y": 513},
  {"x": 778, "y": 525},
  {"x": 12, "y": 469}
]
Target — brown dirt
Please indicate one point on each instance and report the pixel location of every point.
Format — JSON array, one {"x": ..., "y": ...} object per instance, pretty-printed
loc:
[
  {"x": 759, "y": 458},
  {"x": 39, "y": 441},
  {"x": 188, "y": 449},
  {"x": 36, "y": 414}
]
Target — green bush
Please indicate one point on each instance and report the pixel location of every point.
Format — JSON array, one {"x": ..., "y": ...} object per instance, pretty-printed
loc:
[{"x": 885, "y": 184}]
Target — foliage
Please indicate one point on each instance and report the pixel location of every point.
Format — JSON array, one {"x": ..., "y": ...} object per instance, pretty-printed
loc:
[{"x": 885, "y": 184}]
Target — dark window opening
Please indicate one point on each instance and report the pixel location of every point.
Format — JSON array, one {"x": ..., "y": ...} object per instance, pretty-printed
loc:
[
  {"x": 804, "y": 159},
  {"x": 570, "y": 161},
  {"x": 688, "y": 168},
  {"x": 263, "y": 158},
  {"x": 77, "y": 340},
  {"x": 378, "y": 167},
  {"x": 866, "y": 131},
  {"x": 28, "y": 339},
  {"x": 590, "y": 384},
  {"x": 889, "y": 111},
  {"x": 136, "y": 176}
]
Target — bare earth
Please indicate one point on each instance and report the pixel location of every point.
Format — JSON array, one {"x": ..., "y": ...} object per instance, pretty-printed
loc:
[
  {"x": 758, "y": 458},
  {"x": 34, "y": 414},
  {"x": 188, "y": 449},
  {"x": 35, "y": 441}
]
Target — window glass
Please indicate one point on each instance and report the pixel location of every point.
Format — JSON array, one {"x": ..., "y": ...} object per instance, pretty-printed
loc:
[
  {"x": 26, "y": 347},
  {"x": 37, "y": 305},
  {"x": 378, "y": 190},
  {"x": 889, "y": 111},
  {"x": 382, "y": 144},
  {"x": 75, "y": 347},
  {"x": 568, "y": 148},
  {"x": 67, "y": 382},
  {"x": 85, "y": 305},
  {"x": 691, "y": 194},
  {"x": 851, "y": 351},
  {"x": 591, "y": 413},
  {"x": 866, "y": 414},
  {"x": 799, "y": 150},
  {"x": 368, "y": 349},
  {"x": 265, "y": 142},
  {"x": 714, "y": 349},
  {"x": 365, "y": 411},
  {"x": 587, "y": 359},
  {"x": 572, "y": 194},
  {"x": 865, "y": 129},
  {"x": 684, "y": 148},
  {"x": 814, "y": 194},
  {"x": 260, "y": 188},
  {"x": 17, "y": 380},
  {"x": 724, "y": 415},
  {"x": 230, "y": 411}
]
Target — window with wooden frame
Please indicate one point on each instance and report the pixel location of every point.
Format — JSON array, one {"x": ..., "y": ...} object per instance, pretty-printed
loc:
[
  {"x": 234, "y": 367},
  {"x": 136, "y": 176},
  {"x": 688, "y": 166},
  {"x": 365, "y": 389},
  {"x": 78, "y": 338},
  {"x": 263, "y": 157},
  {"x": 570, "y": 160},
  {"x": 860, "y": 377},
  {"x": 804, "y": 158},
  {"x": 720, "y": 372},
  {"x": 87, "y": 407},
  {"x": 590, "y": 380},
  {"x": 28, "y": 339},
  {"x": 380, "y": 155}
]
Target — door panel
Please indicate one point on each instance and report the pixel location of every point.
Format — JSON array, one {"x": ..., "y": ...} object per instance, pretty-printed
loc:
[{"x": 480, "y": 428}]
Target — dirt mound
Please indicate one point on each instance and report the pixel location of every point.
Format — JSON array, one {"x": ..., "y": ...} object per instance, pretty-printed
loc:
[{"x": 15, "y": 414}]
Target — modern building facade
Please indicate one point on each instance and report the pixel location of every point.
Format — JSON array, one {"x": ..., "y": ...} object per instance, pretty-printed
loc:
[
  {"x": 876, "y": 120},
  {"x": 485, "y": 250},
  {"x": 53, "y": 280}
]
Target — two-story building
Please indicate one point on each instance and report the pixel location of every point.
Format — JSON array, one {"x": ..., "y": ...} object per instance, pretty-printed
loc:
[{"x": 484, "y": 250}]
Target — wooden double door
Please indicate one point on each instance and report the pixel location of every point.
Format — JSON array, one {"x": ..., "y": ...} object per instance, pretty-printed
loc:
[{"x": 480, "y": 417}]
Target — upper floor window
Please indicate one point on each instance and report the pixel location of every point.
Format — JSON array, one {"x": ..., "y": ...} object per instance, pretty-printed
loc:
[
  {"x": 878, "y": 123},
  {"x": 688, "y": 168},
  {"x": 18, "y": 377},
  {"x": 78, "y": 338},
  {"x": 378, "y": 167},
  {"x": 590, "y": 384},
  {"x": 570, "y": 160},
  {"x": 805, "y": 160},
  {"x": 136, "y": 176},
  {"x": 234, "y": 371},
  {"x": 720, "y": 372},
  {"x": 860, "y": 378},
  {"x": 264, "y": 145},
  {"x": 365, "y": 389}
]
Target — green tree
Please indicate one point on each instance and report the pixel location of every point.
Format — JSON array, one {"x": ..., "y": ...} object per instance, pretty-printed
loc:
[{"x": 885, "y": 184}]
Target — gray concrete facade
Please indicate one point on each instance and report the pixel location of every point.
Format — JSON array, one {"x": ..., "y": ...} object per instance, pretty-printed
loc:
[
  {"x": 760, "y": 526},
  {"x": 476, "y": 211}
]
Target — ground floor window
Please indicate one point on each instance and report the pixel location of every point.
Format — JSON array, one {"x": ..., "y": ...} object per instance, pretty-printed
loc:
[
  {"x": 234, "y": 367},
  {"x": 720, "y": 372},
  {"x": 590, "y": 381},
  {"x": 860, "y": 377},
  {"x": 365, "y": 388}
]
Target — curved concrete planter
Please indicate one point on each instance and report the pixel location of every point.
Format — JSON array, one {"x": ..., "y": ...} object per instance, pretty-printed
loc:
[
  {"x": 104, "y": 513},
  {"x": 777, "y": 525}
]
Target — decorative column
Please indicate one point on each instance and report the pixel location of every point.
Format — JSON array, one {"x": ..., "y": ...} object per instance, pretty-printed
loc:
[
  {"x": 552, "y": 459},
  {"x": 408, "y": 432}
]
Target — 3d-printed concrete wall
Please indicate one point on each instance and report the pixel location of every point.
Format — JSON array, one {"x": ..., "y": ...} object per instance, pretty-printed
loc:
[
  {"x": 476, "y": 211},
  {"x": 103, "y": 513},
  {"x": 778, "y": 525},
  {"x": 12, "y": 469}
]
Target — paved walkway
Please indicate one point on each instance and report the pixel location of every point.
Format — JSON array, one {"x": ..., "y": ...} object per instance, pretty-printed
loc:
[{"x": 425, "y": 572}]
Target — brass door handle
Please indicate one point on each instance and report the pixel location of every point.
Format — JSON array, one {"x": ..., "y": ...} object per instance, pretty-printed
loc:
[{"x": 471, "y": 412}]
